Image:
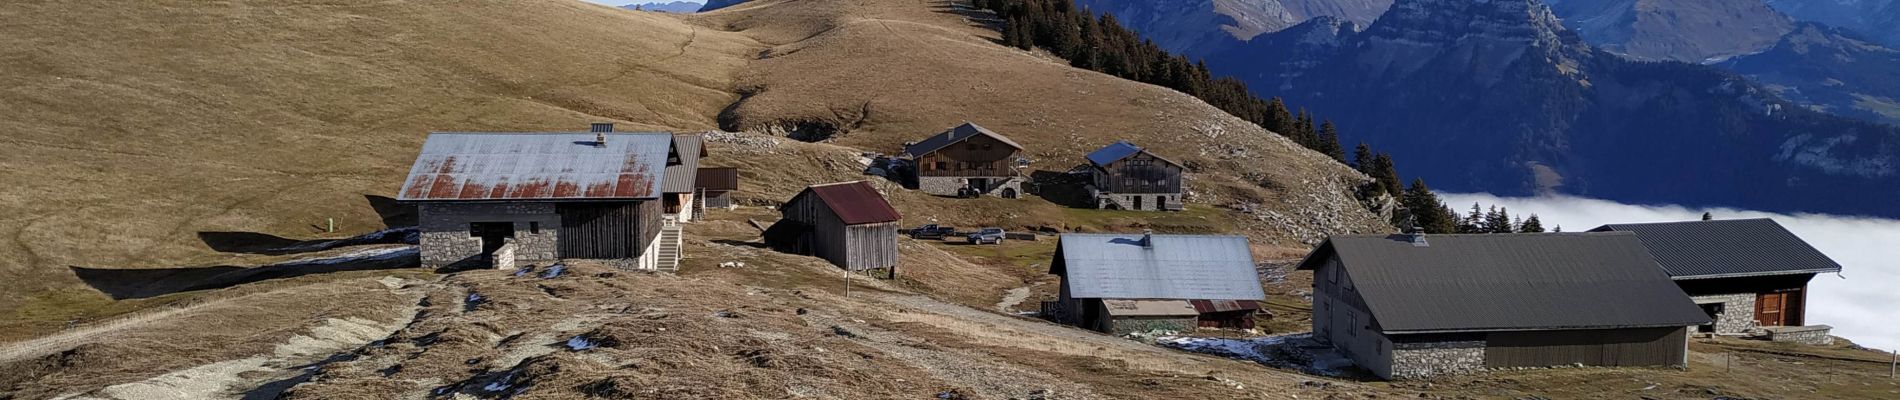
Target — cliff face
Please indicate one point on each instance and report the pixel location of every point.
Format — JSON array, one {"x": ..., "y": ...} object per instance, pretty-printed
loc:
[
  {"x": 1829, "y": 69},
  {"x": 1878, "y": 20},
  {"x": 1680, "y": 30},
  {"x": 1498, "y": 96},
  {"x": 1199, "y": 28}
]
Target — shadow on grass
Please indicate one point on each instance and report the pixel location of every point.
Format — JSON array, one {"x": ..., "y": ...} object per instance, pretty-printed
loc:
[{"x": 138, "y": 283}]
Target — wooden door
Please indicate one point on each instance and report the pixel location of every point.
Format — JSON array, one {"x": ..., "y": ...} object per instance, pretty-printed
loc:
[{"x": 1770, "y": 309}]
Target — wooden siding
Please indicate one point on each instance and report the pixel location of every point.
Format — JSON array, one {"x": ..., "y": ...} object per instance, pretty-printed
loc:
[
  {"x": 1602, "y": 347},
  {"x": 977, "y": 156},
  {"x": 853, "y": 247},
  {"x": 1139, "y": 173},
  {"x": 607, "y": 230},
  {"x": 721, "y": 199}
]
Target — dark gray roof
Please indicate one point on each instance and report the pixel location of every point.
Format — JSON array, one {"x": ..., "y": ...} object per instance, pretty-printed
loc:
[
  {"x": 953, "y": 136},
  {"x": 1727, "y": 248},
  {"x": 679, "y": 177},
  {"x": 1185, "y": 267},
  {"x": 1509, "y": 282}
]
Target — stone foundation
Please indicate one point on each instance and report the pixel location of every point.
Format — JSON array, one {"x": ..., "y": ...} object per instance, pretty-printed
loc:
[
  {"x": 1424, "y": 360},
  {"x": 447, "y": 241},
  {"x": 1126, "y": 201},
  {"x": 1738, "y": 312},
  {"x": 1123, "y": 326},
  {"x": 1818, "y": 335},
  {"x": 950, "y": 186}
]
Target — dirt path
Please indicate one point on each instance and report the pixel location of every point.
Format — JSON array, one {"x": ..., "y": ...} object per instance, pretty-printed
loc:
[
  {"x": 1012, "y": 298},
  {"x": 54, "y": 343},
  {"x": 267, "y": 375}
]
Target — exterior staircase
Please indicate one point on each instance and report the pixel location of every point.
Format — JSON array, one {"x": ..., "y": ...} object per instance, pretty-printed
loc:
[{"x": 671, "y": 243}]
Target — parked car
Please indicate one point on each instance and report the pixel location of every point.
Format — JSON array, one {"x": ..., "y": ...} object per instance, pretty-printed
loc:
[
  {"x": 932, "y": 231},
  {"x": 987, "y": 236}
]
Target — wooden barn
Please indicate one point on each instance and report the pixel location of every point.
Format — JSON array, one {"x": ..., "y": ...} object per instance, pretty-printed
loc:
[
  {"x": 497, "y": 199},
  {"x": 716, "y": 185},
  {"x": 849, "y": 224},
  {"x": 1749, "y": 275},
  {"x": 1128, "y": 177},
  {"x": 965, "y": 161},
  {"x": 1122, "y": 283},
  {"x": 1412, "y": 306}
]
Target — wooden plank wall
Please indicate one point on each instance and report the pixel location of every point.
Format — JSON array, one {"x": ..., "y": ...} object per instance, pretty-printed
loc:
[
  {"x": 855, "y": 247},
  {"x": 1155, "y": 176},
  {"x": 607, "y": 230},
  {"x": 871, "y": 246},
  {"x": 1601, "y": 347},
  {"x": 976, "y": 156}
]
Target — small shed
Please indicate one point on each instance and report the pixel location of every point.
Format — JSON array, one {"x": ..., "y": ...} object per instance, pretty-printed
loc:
[
  {"x": 495, "y": 199},
  {"x": 1745, "y": 273},
  {"x": 967, "y": 160},
  {"x": 1128, "y": 177},
  {"x": 716, "y": 185},
  {"x": 1121, "y": 283},
  {"x": 1413, "y": 306},
  {"x": 849, "y": 224}
]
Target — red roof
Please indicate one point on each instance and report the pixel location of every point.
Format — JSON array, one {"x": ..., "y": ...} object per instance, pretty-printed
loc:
[
  {"x": 537, "y": 166},
  {"x": 855, "y": 202}
]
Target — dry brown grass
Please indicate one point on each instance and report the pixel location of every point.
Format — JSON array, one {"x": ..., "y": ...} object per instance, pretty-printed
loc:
[{"x": 135, "y": 125}]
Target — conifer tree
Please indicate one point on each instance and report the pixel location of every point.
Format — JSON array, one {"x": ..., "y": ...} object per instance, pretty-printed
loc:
[
  {"x": 1531, "y": 225},
  {"x": 1708, "y": 216},
  {"x": 1362, "y": 158},
  {"x": 1386, "y": 174},
  {"x": 1427, "y": 211},
  {"x": 1329, "y": 141}
]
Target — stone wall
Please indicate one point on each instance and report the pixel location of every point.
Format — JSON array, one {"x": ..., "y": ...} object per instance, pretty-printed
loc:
[
  {"x": 1817, "y": 335},
  {"x": 1127, "y": 201},
  {"x": 949, "y": 185},
  {"x": 446, "y": 240},
  {"x": 1738, "y": 312},
  {"x": 505, "y": 256},
  {"x": 1123, "y": 326},
  {"x": 1424, "y": 360}
]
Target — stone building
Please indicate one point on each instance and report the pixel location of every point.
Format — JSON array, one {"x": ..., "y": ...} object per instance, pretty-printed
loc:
[
  {"x": 1128, "y": 177},
  {"x": 1412, "y": 306},
  {"x": 1750, "y": 275},
  {"x": 498, "y": 199},
  {"x": 1120, "y": 283},
  {"x": 966, "y": 161}
]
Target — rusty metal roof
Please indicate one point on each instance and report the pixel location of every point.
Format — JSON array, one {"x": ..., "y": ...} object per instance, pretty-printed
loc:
[
  {"x": 462, "y": 166},
  {"x": 718, "y": 178},
  {"x": 854, "y": 202}
]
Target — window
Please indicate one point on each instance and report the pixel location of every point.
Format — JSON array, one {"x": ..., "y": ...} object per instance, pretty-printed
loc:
[
  {"x": 534, "y": 227},
  {"x": 942, "y": 165},
  {"x": 1352, "y": 324}
]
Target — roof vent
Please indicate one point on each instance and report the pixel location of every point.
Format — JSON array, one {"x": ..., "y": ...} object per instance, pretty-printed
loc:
[
  {"x": 1147, "y": 238},
  {"x": 602, "y": 127},
  {"x": 600, "y": 139}
]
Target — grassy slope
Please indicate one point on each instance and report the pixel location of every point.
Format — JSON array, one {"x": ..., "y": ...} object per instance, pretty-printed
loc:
[{"x": 132, "y": 126}]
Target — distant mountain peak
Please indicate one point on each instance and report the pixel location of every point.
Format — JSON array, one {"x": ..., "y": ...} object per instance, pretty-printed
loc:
[{"x": 1693, "y": 31}]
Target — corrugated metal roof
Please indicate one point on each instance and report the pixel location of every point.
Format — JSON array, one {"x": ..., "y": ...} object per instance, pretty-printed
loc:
[
  {"x": 854, "y": 202},
  {"x": 680, "y": 176},
  {"x": 537, "y": 166},
  {"x": 1209, "y": 306},
  {"x": 718, "y": 178},
  {"x": 1188, "y": 267},
  {"x": 1120, "y": 150},
  {"x": 1506, "y": 282},
  {"x": 953, "y": 136},
  {"x": 1149, "y": 308},
  {"x": 1727, "y": 248}
]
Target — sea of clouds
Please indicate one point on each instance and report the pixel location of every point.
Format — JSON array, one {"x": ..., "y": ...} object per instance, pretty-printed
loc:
[{"x": 1862, "y": 303}]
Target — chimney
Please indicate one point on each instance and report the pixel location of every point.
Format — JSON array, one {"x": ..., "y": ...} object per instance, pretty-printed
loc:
[
  {"x": 1414, "y": 234},
  {"x": 600, "y": 139},
  {"x": 602, "y": 127},
  {"x": 1147, "y": 238}
]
